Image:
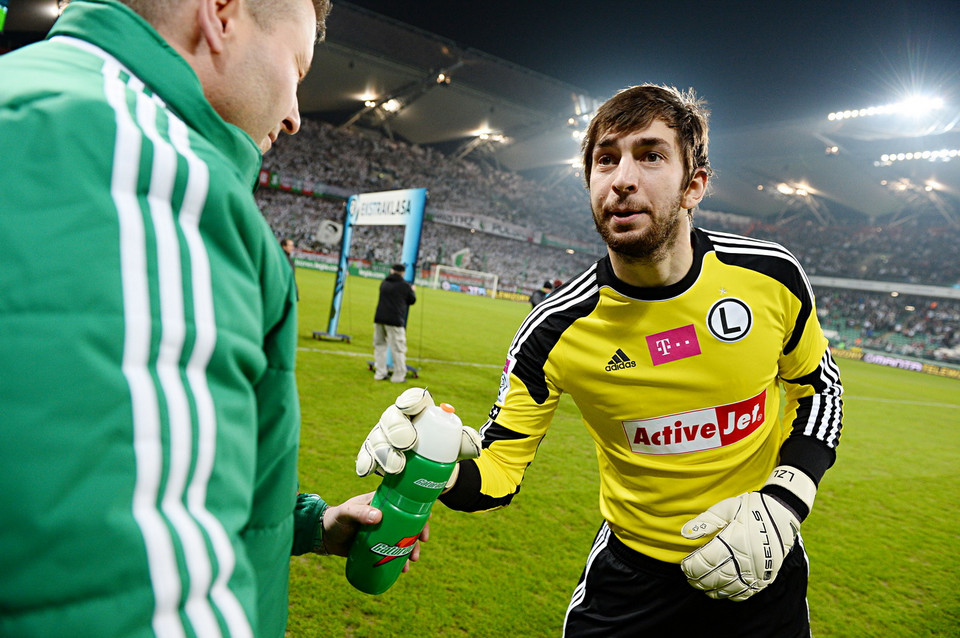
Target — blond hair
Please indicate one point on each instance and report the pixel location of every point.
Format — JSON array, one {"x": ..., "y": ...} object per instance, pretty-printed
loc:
[{"x": 265, "y": 12}]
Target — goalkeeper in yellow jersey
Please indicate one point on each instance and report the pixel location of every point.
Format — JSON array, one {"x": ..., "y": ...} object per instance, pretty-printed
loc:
[{"x": 674, "y": 347}]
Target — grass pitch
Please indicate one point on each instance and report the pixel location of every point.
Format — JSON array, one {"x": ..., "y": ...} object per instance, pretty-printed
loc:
[{"x": 881, "y": 538}]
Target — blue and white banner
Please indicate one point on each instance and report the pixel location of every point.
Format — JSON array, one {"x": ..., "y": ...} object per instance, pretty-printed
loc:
[
  {"x": 485, "y": 224},
  {"x": 387, "y": 208}
]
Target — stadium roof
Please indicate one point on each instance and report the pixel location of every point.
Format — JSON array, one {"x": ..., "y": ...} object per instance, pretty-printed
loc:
[
  {"x": 486, "y": 107},
  {"x": 810, "y": 165}
]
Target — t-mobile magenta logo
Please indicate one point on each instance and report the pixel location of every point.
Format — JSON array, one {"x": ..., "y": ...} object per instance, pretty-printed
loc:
[{"x": 674, "y": 344}]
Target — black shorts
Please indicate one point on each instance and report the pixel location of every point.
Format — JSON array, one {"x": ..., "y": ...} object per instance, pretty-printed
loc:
[{"x": 625, "y": 593}]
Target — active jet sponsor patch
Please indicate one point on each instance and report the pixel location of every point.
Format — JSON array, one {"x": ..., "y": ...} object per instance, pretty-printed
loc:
[{"x": 697, "y": 430}]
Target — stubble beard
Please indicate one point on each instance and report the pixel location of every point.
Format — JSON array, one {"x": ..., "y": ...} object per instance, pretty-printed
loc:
[{"x": 651, "y": 244}]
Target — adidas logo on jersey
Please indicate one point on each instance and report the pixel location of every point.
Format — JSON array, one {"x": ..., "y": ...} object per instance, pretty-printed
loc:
[{"x": 620, "y": 361}]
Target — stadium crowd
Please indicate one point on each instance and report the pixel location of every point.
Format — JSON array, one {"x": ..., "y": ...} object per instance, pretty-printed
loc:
[
  {"x": 907, "y": 325},
  {"x": 360, "y": 161},
  {"x": 924, "y": 249},
  {"x": 519, "y": 264}
]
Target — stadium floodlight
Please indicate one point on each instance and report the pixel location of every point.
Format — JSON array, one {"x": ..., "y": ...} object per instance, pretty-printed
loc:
[
  {"x": 483, "y": 139},
  {"x": 929, "y": 193},
  {"x": 786, "y": 189},
  {"x": 942, "y": 155},
  {"x": 795, "y": 189},
  {"x": 914, "y": 105},
  {"x": 800, "y": 196},
  {"x": 489, "y": 136},
  {"x": 392, "y": 105},
  {"x": 919, "y": 104}
]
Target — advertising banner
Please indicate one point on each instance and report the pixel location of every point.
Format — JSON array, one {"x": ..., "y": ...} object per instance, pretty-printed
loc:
[{"x": 387, "y": 208}]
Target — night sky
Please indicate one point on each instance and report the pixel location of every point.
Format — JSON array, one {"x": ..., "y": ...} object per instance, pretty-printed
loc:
[{"x": 755, "y": 62}]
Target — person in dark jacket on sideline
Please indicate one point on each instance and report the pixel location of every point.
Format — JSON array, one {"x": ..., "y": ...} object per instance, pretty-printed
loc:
[
  {"x": 537, "y": 296},
  {"x": 390, "y": 321}
]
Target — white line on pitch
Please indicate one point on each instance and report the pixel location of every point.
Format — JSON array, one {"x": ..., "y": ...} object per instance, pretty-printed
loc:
[
  {"x": 928, "y": 404},
  {"x": 370, "y": 356}
]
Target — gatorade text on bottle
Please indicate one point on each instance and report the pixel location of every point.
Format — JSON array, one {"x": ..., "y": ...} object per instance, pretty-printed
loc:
[{"x": 380, "y": 551}]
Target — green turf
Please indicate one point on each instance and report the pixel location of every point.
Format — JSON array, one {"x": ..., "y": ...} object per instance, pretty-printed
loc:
[{"x": 881, "y": 537}]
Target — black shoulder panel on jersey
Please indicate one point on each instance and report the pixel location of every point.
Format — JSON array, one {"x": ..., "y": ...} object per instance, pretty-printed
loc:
[
  {"x": 814, "y": 379},
  {"x": 770, "y": 259},
  {"x": 493, "y": 432},
  {"x": 465, "y": 495},
  {"x": 544, "y": 326}
]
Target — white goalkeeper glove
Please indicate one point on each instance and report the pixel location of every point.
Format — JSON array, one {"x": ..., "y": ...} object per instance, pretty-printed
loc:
[
  {"x": 382, "y": 451},
  {"x": 754, "y": 533}
]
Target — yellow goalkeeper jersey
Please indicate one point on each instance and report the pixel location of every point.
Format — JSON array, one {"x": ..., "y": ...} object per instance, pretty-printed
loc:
[{"x": 679, "y": 387}]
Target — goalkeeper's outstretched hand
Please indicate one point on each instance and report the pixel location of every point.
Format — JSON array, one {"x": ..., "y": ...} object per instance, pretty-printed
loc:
[
  {"x": 754, "y": 532},
  {"x": 382, "y": 451}
]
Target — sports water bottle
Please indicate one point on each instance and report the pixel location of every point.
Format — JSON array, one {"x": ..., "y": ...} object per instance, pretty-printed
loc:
[{"x": 380, "y": 551}]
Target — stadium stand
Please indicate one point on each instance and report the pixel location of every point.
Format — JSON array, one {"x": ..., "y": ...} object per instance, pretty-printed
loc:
[
  {"x": 355, "y": 161},
  {"x": 906, "y": 325},
  {"x": 917, "y": 249}
]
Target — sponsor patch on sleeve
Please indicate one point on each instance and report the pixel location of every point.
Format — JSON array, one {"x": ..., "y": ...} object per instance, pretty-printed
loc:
[{"x": 505, "y": 380}]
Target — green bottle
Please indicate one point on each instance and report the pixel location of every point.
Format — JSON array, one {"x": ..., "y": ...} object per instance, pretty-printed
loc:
[{"x": 380, "y": 551}]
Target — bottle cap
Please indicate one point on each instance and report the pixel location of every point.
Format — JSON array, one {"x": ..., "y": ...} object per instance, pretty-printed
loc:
[{"x": 438, "y": 433}]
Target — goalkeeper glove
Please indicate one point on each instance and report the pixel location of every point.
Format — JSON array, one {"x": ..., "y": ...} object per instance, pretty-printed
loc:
[
  {"x": 754, "y": 533},
  {"x": 382, "y": 451}
]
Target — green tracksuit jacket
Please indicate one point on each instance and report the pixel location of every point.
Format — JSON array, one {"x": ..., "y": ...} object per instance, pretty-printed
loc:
[{"x": 149, "y": 418}]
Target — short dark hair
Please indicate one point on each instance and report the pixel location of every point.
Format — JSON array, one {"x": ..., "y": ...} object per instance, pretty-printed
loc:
[
  {"x": 637, "y": 107},
  {"x": 398, "y": 268}
]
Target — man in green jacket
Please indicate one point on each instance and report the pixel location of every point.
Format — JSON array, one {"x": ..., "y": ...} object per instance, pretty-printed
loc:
[{"x": 149, "y": 416}]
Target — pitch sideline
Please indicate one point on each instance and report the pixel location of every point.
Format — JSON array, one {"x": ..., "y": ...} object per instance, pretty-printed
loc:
[{"x": 368, "y": 355}]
